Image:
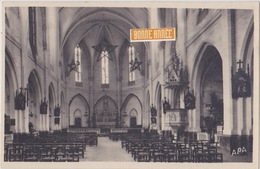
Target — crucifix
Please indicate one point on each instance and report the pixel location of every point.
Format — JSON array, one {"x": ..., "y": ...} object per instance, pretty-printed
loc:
[{"x": 239, "y": 63}]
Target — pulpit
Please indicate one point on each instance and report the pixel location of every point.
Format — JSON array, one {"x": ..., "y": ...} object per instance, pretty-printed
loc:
[
  {"x": 176, "y": 119},
  {"x": 176, "y": 83}
]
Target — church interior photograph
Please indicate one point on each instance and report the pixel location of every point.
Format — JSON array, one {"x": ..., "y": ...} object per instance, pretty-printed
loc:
[{"x": 77, "y": 89}]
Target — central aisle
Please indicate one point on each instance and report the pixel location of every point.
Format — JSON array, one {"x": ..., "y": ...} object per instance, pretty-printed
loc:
[{"x": 107, "y": 150}]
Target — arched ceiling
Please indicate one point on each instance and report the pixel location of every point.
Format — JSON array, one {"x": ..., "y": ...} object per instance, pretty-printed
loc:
[{"x": 90, "y": 26}]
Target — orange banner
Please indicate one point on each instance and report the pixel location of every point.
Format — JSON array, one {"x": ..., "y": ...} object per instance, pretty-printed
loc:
[{"x": 155, "y": 34}]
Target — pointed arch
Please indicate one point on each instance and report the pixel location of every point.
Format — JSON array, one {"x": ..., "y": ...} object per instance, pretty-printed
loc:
[
  {"x": 36, "y": 76},
  {"x": 52, "y": 94},
  {"x": 201, "y": 50},
  {"x": 131, "y": 95},
  {"x": 103, "y": 97},
  {"x": 157, "y": 92},
  {"x": 35, "y": 96},
  {"x": 207, "y": 82},
  {"x": 10, "y": 68},
  {"x": 132, "y": 102},
  {"x": 133, "y": 112},
  {"x": 35, "y": 84},
  {"x": 106, "y": 112},
  {"x": 11, "y": 85},
  {"x": 79, "y": 103},
  {"x": 77, "y": 116},
  {"x": 77, "y": 113},
  {"x": 247, "y": 46},
  {"x": 82, "y": 98}
]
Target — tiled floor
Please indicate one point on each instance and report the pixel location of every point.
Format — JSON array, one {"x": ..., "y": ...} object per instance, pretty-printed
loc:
[
  {"x": 107, "y": 150},
  {"x": 111, "y": 151}
]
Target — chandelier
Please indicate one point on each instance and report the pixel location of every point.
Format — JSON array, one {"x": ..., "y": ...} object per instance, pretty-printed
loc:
[
  {"x": 104, "y": 49},
  {"x": 73, "y": 66},
  {"x": 134, "y": 63}
]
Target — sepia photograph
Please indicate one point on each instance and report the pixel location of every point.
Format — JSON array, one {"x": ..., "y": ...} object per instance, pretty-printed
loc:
[{"x": 158, "y": 84}]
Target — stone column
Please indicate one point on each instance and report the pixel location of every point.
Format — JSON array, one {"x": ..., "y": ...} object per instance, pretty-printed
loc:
[
  {"x": 47, "y": 124},
  {"x": 43, "y": 122},
  {"x": 26, "y": 119},
  {"x": 238, "y": 117},
  {"x": 153, "y": 51},
  {"x": 195, "y": 114},
  {"x": 247, "y": 116},
  {"x": 227, "y": 63},
  {"x": 162, "y": 112},
  {"x": 24, "y": 27},
  {"x": 189, "y": 117},
  {"x": 195, "y": 118},
  {"x": 39, "y": 119},
  {"x": 16, "y": 116},
  {"x": 20, "y": 121}
]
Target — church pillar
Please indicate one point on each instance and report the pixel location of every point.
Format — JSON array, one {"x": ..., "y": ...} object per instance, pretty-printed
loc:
[
  {"x": 119, "y": 99},
  {"x": 189, "y": 114},
  {"x": 153, "y": 53},
  {"x": 91, "y": 98},
  {"x": 226, "y": 65},
  {"x": 19, "y": 121},
  {"x": 38, "y": 126},
  {"x": 59, "y": 125},
  {"x": 162, "y": 112},
  {"x": 182, "y": 106},
  {"x": 23, "y": 53},
  {"x": 247, "y": 116},
  {"x": 26, "y": 119},
  {"x": 196, "y": 122},
  {"x": 39, "y": 116},
  {"x": 238, "y": 115},
  {"x": 44, "y": 128},
  {"x": 16, "y": 117},
  {"x": 47, "y": 124},
  {"x": 182, "y": 34},
  {"x": 246, "y": 138},
  {"x": 195, "y": 114},
  {"x": 42, "y": 122}
]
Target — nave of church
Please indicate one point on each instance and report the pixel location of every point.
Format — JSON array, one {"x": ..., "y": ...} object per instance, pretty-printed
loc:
[{"x": 77, "y": 89}]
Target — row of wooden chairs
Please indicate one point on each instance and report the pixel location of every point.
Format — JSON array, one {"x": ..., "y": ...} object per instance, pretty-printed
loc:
[
  {"x": 156, "y": 150},
  {"x": 59, "y": 137},
  {"x": 49, "y": 147},
  {"x": 43, "y": 152}
]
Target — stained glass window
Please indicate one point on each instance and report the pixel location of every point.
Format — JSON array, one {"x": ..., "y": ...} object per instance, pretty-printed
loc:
[
  {"x": 131, "y": 56},
  {"x": 104, "y": 67},
  {"x": 77, "y": 57}
]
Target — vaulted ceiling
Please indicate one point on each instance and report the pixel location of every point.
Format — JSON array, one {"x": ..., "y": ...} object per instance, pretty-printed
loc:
[{"x": 90, "y": 26}]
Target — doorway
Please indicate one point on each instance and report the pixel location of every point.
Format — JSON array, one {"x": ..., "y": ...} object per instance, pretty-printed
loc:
[
  {"x": 133, "y": 122},
  {"x": 77, "y": 122}
]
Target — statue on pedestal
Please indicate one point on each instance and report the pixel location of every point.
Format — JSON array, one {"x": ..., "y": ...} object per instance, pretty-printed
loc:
[{"x": 166, "y": 105}]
